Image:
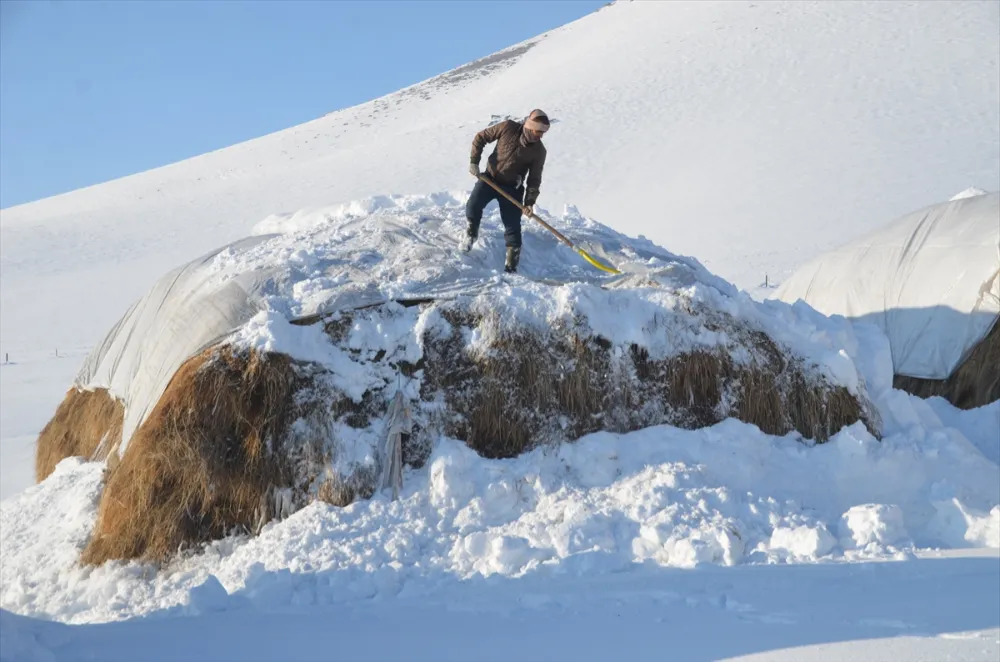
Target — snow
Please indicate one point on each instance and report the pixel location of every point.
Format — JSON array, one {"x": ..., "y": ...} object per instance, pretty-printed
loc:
[
  {"x": 31, "y": 386},
  {"x": 750, "y": 136},
  {"x": 545, "y": 534},
  {"x": 726, "y": 495},
  {"x": 812, "y": 613},
  {"x": 970, "y": 192}
]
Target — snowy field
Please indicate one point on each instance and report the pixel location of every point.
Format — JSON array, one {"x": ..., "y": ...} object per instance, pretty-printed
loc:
[{"x": 749, "y": 135}]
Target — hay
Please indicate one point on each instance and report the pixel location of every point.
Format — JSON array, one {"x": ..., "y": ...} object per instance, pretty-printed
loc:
[
  {"x": 207, "y": 461},
  {"x": 974, "y": 383},
  {"x": 529, "y": 387},
  {"x": 87, "y": 424}
]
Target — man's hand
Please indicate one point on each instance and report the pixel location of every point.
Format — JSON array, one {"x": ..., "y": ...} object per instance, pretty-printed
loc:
[
  {"x": 474, "y": 170},
  {"x": 528, "y": 210}
]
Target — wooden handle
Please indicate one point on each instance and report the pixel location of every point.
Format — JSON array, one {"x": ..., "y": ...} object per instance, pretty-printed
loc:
[
  {"x": 521, "y": 207},
  {"x": 548, "y": 227}
]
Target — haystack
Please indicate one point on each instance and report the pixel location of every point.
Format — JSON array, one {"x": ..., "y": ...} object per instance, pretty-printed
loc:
[
  {"x": 930, "y": 281},
  {"x": 974, "y": 383},
  {"x": 88, "y": 423},
  {"x": 235, "y": 412}
]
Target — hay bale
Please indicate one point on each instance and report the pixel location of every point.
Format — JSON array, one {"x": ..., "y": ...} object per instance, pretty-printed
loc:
[
  {"x": 241, "y": 437},
  {"x": 216, "y": 455},
  {"x": 529, "y": 387},
  {"x": 974, "y": 383},
  {"x": 88, "y": 423}
]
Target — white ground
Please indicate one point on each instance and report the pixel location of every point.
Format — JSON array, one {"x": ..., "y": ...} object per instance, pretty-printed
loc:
[{"x": 751, "y": 135}]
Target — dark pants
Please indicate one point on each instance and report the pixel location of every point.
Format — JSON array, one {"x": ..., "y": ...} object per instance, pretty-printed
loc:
[{"x": 482, "y": 195}]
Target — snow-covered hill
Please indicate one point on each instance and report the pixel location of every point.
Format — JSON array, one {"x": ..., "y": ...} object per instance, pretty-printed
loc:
[{"x": 751, "y": 135}]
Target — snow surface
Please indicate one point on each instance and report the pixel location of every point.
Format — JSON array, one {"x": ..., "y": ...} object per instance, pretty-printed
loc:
[
  {"x": 604, "y": 516},
  {"x": 753, "y": 136},
  {"x": 801, "y": 613}
]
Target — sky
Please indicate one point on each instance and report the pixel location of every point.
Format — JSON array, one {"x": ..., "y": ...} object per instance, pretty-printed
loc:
[{"x": 92, "y": 91}]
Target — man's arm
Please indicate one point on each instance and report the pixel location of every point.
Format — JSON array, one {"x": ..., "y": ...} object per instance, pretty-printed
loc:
[
  {"x": 534, "y": 184},
  {"x": 484, "y": 137}
]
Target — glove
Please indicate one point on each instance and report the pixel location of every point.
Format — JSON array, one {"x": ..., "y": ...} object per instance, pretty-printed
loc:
[
  {"x": 474, "y": 170},
  {"x": 530, "y": 197}
]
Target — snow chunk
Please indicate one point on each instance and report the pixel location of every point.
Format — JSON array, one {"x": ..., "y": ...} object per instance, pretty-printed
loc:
[
  {"x": 874, "y": 524},
  {"x": 970, "y": 192},
  {"x": 803, "y": 542}
]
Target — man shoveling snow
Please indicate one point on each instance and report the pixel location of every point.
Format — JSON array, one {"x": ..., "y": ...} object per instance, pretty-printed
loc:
[{"x": 516, "y": 167}]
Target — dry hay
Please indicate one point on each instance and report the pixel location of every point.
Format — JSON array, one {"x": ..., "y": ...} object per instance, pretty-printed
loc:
[
  {"x": 215, "y": 456},
  {"x": 531, "y": 387},
  {"x": 974, "y": 383},
  {"x": 87, "y": 424},
  {"x": 219, "y": 453}
]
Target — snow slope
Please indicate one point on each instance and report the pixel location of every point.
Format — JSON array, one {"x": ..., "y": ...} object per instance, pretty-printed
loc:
[{"x": 751, "y": 135}]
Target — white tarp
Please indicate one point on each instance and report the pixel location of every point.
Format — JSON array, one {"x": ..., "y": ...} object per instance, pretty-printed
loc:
[
  {"x": 930, "y": 280},
  {"x": 186, "y": 311}
]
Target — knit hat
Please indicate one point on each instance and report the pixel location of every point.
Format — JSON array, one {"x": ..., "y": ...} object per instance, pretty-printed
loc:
[{"x": 537, "y": 121}]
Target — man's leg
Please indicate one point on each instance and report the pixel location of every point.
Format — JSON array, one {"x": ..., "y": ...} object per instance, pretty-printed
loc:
[
  {"x": 510, "y": 214},
  {"x": 481, "y": 196}
]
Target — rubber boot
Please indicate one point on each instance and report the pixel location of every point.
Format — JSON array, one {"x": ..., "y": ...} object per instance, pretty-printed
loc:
[
  {"x": 467, "y": 243},
  {"x": 513, "y": 256}
]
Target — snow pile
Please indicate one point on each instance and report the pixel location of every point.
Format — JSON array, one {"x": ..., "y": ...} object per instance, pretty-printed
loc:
[
  {"x": 725, "y": 495},
  {"x": 313, "y": 264}
]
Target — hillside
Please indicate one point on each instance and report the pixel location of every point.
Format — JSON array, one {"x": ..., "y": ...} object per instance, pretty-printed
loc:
[{"x": 751, "y": 136}]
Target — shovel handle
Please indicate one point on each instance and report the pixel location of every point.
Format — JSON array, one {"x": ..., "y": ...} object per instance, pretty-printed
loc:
[
  {"x": 548, "y": 227},
  {"x": 559, "y": 235}
]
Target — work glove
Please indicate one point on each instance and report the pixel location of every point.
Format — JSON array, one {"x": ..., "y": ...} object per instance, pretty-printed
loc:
[
  {"x": 530, "y": 197},
  {"x": 474, "y": 170}
]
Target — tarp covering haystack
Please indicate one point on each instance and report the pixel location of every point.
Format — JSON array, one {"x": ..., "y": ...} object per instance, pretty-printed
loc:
[
  {"x": 312, "y": 359},
  {"x": 931, "y": 282}
]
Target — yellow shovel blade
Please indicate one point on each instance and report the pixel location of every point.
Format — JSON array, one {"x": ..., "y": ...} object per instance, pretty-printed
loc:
[{"x": 610, "y": 270}]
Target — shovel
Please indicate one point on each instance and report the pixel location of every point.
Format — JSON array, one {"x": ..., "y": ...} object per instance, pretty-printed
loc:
[{"x": 560, "y": 236}]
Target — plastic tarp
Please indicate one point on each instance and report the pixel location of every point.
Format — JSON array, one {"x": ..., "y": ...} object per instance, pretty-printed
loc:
[
  {"x": 187, "y": 310},
  {"x": 930, "y": 280}
]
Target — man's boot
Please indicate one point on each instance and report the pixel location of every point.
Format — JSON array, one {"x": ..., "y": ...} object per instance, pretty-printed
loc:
[
  {"x": 513, "y": 256},
  {"x": 467, "y": 242}
]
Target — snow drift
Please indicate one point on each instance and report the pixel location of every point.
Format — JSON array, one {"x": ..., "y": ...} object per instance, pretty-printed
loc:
[
  {"x": 931, "y": 282},
  {"x": 261, "y": 377},
  {"x": 662, "y": 496}
]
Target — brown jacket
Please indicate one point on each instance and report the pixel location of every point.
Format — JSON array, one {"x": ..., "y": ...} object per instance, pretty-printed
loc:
[{"x": 513, "y": 158}]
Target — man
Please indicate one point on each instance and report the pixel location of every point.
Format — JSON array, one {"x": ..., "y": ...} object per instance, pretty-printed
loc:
[{"x": 516, "y": 167}]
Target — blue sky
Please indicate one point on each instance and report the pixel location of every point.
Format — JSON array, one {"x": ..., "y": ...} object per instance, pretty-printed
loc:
[{"x": 92, "y": 91}]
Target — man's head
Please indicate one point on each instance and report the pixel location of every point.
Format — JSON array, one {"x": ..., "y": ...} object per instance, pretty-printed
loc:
[{"x": 536, "y": 124}]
